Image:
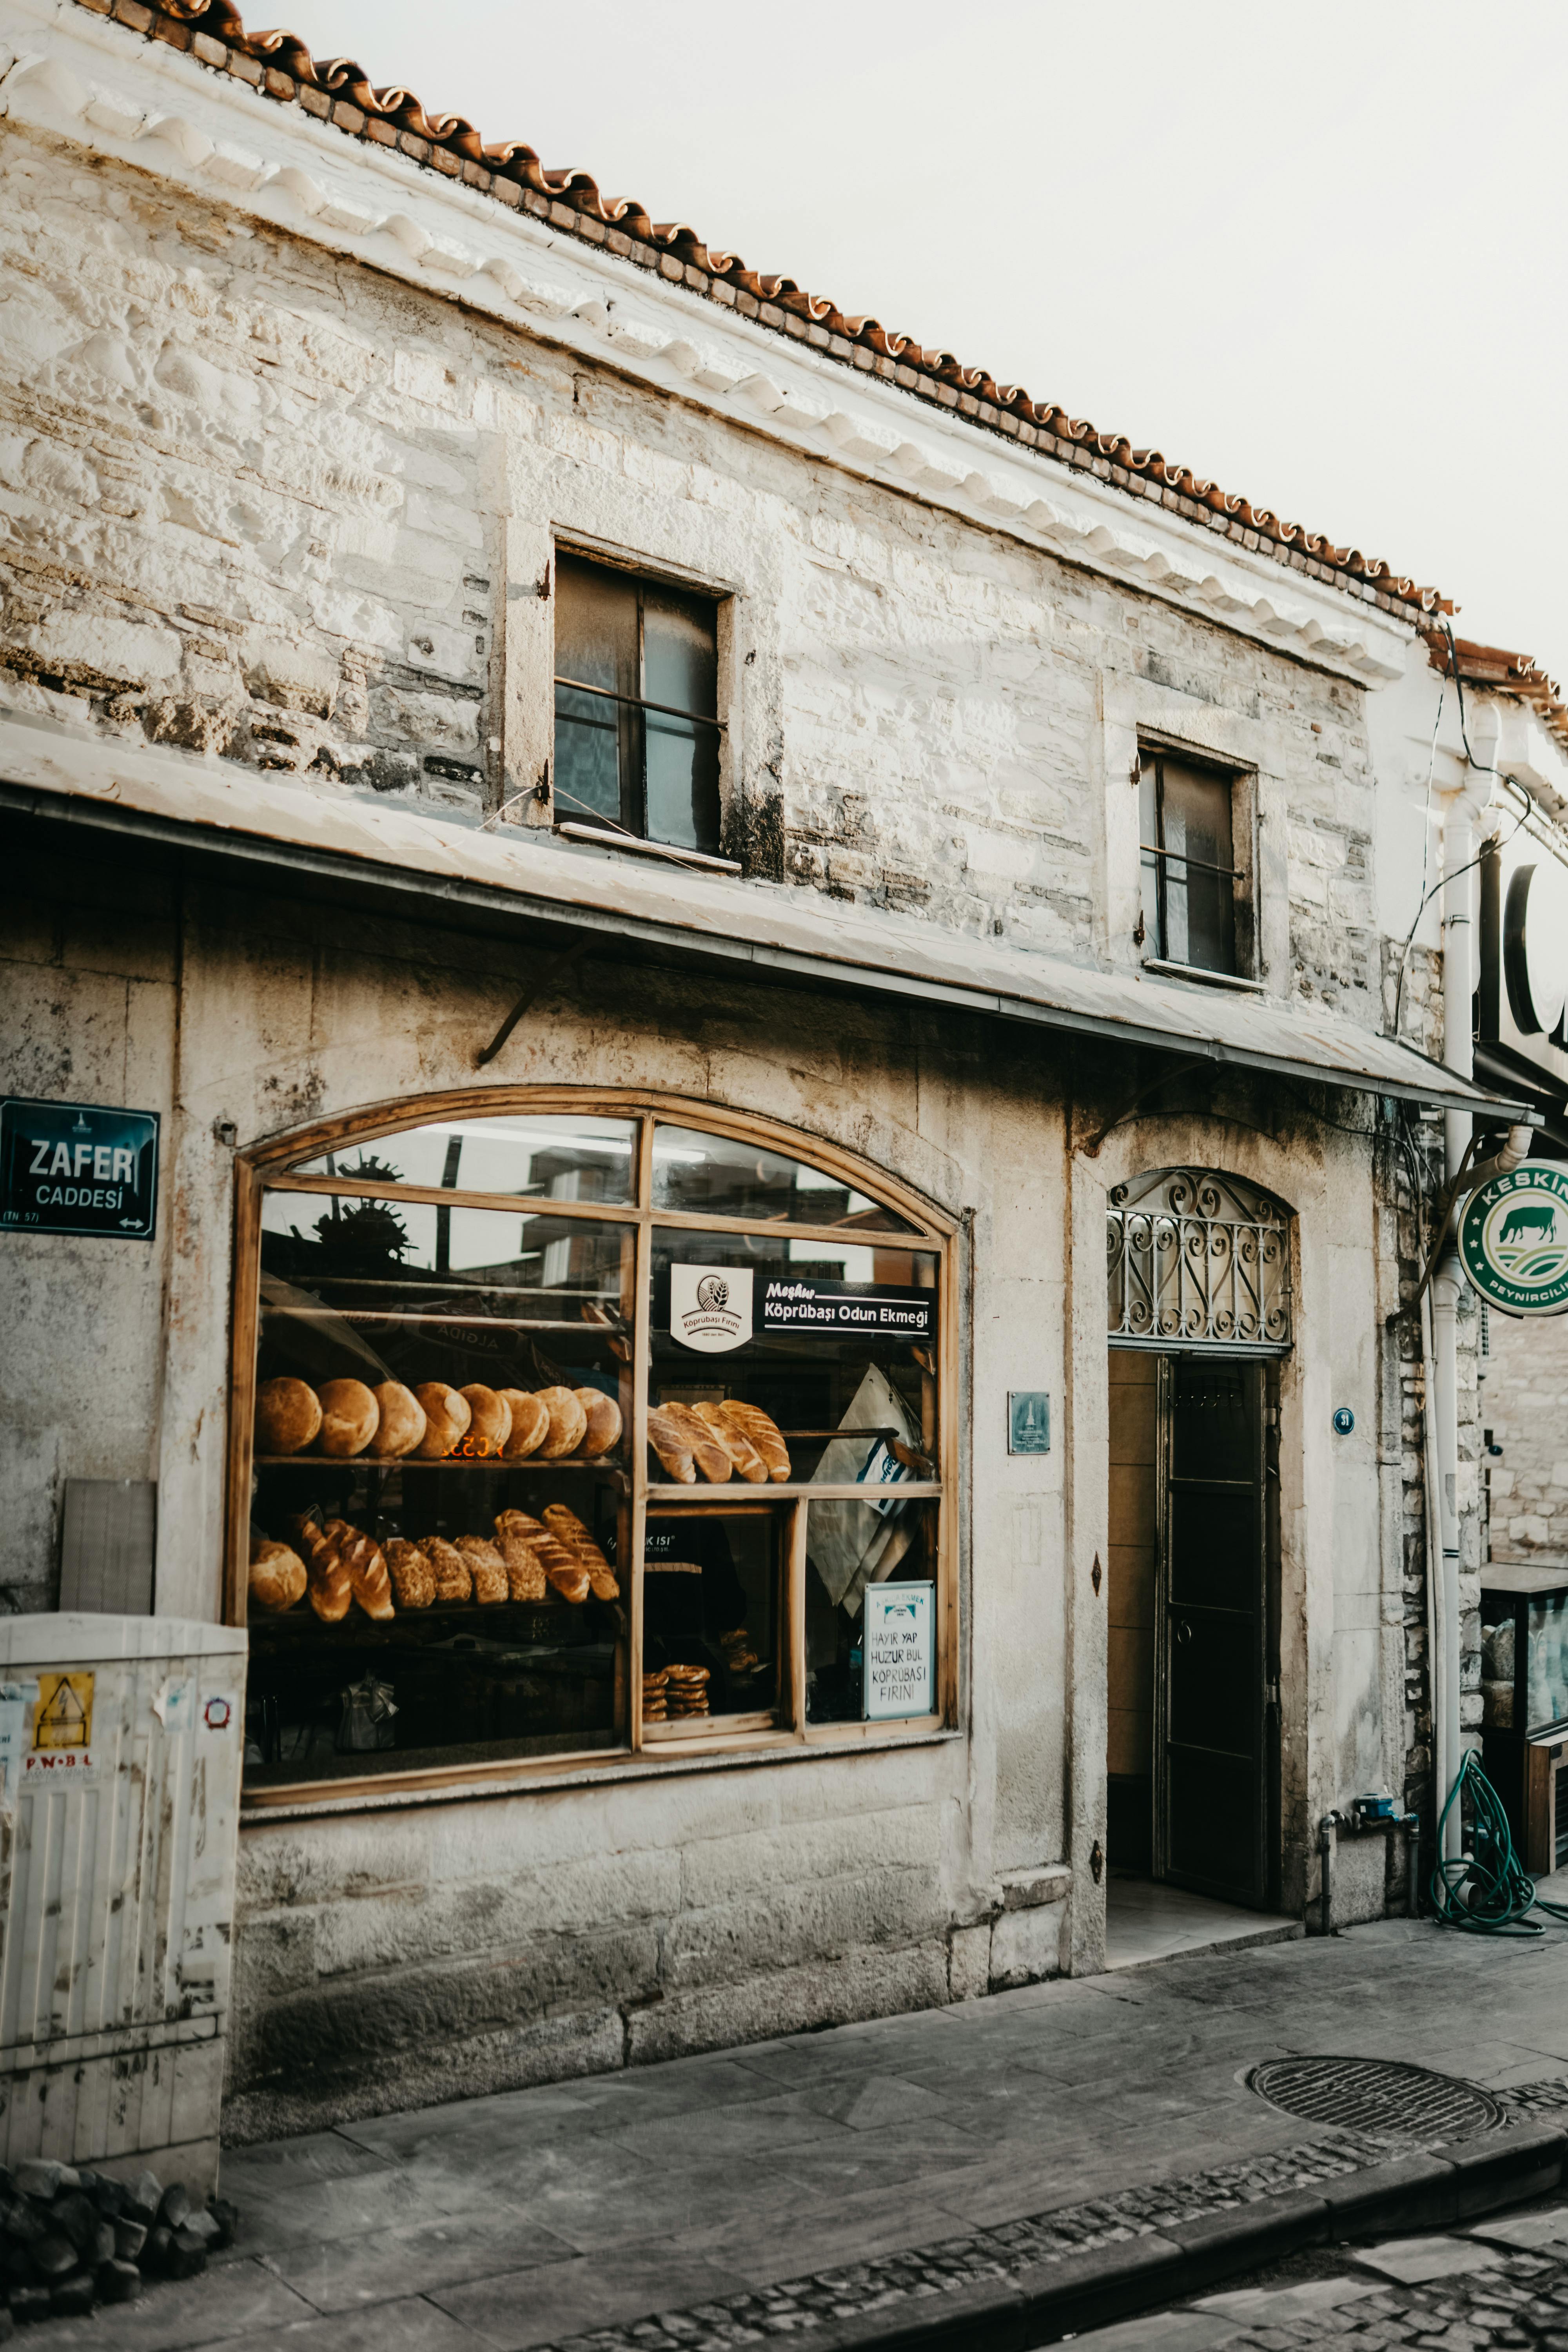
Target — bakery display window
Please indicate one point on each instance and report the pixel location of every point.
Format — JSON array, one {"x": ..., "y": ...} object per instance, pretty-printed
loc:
[{"x": 564, "y": 1433}]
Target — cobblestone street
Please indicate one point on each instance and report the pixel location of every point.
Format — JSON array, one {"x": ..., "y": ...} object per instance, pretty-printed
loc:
[{"x": 1502, "y": 2283}]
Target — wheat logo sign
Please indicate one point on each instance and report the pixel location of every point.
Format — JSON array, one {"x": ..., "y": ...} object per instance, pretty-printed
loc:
[
  {"x": 709, "y": 1311},
  {"x": 1513, "y": 1239}
]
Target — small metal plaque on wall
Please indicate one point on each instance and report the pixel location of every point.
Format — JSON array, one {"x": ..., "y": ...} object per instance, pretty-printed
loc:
[{"x": 1029, "y": 1421}]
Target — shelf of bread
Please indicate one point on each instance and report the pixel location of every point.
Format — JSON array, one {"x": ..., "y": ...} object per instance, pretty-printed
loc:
[
  {"x": 349, "y": 1421},
  {"x": 337, "y": 1568}
]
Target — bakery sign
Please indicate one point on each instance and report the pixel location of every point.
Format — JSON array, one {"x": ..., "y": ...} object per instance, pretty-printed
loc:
[
  {"x": 840, "y": 1310},
  {"x": 78, "y": 1167},
  {"x": 710, "y": 1306}
]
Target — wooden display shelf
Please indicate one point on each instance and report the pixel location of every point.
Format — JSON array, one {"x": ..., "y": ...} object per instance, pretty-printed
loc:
[{"x": 606, "y": 1462}]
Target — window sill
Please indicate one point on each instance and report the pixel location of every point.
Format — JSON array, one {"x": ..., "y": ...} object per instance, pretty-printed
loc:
[
  {"x": 392, "y": 1790},
  {"x": 599, "y": 837},
  {"x": 1164, "y": 969}
]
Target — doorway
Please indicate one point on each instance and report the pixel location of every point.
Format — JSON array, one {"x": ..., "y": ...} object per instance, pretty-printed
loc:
[{"x": 1192, "y": 1745}]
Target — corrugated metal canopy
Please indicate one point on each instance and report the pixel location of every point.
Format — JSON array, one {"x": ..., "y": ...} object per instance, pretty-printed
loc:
[{"x": 510, "y": 874}]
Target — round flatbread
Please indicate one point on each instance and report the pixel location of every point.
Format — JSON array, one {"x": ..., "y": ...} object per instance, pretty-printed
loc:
[
  {"x": 489, "y": 1425},
  {"x": 603, "y": 1428},
  {"x": 529, "y": 1423},
  {"x": 568, "y": 1423},
  {"x": 447, "y": 1418},
  {"x": 349, "y": 1418},
  {"x": 402, "y": 1423}
]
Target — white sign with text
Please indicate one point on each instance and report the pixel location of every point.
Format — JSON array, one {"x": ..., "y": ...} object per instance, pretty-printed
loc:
[{"x": 899, "y": 1647}]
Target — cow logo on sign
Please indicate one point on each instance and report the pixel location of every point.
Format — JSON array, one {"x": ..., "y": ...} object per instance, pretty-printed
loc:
[{"x": 1513, "y": 1239}]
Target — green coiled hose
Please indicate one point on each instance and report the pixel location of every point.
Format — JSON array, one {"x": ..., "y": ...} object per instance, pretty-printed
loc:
[{"x": 1487, "y": 1891}]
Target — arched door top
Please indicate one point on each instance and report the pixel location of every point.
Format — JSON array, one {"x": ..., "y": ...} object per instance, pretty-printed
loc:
[{"x": 1198, "y": 1258}]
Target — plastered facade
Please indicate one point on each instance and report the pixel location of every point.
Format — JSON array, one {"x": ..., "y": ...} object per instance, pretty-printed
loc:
[{"x": 270, "y": 506}]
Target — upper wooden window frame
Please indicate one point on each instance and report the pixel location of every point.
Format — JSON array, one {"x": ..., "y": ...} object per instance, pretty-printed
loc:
[{"x": 267, "y": 1167}]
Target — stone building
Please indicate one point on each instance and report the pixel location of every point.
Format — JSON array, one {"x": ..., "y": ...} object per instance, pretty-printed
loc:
[{"x": 650, "y": 841}]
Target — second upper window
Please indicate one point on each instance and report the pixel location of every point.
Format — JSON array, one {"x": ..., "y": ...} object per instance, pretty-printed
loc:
[
  {"x": 636, "y": 724},
  {"x": 1187, "y": 836}
]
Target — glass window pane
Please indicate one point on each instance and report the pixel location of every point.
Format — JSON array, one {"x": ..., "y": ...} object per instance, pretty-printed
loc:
[
  {"x": 713, "y": 1615},
  {"x": 1200, "y": 902},
  {"x": 714, "y": 1175},
  {"x": 596, "y": 643},
  {"x": 421, "y": 1371},
  {"x": 851, "y": 1547},
  {"x": 682, "y": 784},
  {"x": 818, "y": 1337},
  {"x": 542, "y": 1157}
]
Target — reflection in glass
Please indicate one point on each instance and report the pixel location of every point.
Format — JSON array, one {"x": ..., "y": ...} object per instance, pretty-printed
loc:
[
  {"x": 713, "y": 1608},
  {"x": 901, "y": 1547},
  {"x": 536, "y": 1156},
  {"x": 714, "y": 1175}
]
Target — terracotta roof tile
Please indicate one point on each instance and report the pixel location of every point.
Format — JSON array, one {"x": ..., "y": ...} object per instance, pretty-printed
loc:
[
  {"x": 1506, "y": 673},
  {"x": 575, "y": 200}
]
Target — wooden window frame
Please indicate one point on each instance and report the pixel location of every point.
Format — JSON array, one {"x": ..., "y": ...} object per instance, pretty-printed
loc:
[
  {"x": 1153, "y": 922},
  {"x": 267, "y": 1169}
]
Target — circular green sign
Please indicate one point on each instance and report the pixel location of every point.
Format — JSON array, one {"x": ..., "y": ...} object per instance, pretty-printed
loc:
[{"x": 1513, "y": 1239}]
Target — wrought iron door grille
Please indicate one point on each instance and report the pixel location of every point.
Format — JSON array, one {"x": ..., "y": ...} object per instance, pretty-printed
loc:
[
  {"x": 1194, "y": 1257},
  {"x": 1382, "y": 2097}
]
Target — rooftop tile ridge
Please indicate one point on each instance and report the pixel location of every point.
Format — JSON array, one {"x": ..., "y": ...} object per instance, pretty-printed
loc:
[{"x": 339, "y": 90}]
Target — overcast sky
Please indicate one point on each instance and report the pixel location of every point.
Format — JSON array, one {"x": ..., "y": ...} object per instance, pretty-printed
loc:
[{"x": 1314, "y": 253}]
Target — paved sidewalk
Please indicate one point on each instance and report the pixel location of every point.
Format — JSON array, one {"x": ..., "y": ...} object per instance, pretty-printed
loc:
[{"x": 792, "y": 2187}]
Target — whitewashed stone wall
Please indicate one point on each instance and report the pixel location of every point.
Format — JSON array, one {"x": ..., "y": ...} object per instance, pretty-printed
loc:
[
  {"x": 1524, "y": 1404},
  {"x": 261, "y": 503}
]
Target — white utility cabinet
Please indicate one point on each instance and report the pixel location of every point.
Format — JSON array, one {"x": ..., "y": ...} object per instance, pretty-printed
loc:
[{"x": 120, "y": 1743}]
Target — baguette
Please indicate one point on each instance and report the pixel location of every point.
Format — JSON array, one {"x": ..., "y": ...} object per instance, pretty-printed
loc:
[
  {"x": 517, "y": 1523},
  {"x": 412, "y": 1577},
  {"x": 763, "y": 1432},
  {"x": 735, "y": 1443},
  {"x": 568, "y": 1528},
  {"x": 454, "y": 1577},
  {"x": 327, "y": 1575},
  {"x": 710, "y": 1456},
  {"x": 670, "y": 1442},
  {"x": 368, "y": 1578}
]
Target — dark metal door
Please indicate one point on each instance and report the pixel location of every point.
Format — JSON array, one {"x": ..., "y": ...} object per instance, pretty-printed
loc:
[{"x": 1211, "y": 1634}]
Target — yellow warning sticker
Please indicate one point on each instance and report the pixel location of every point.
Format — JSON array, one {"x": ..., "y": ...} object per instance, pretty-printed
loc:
[{"x": 63, "y": 1717}]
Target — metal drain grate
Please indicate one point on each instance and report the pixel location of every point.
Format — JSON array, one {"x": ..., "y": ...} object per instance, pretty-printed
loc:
[{"x": 1376, "y": 2095}]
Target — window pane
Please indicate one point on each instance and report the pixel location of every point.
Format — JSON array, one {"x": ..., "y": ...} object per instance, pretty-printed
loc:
[
  {"x": 595, "y": 642},
  {"x": 713, "y": 1614},
  {"x": 420, "y": 1371},
  {"x": 849, "y": 1548},
  {"x": 819, "y": 1337},
  {"x": 714, "y": 1175},
  {"x": 539, "y": 1157},
  {"x": 681, "y": 670},
  {"x": 1200, "y": 903},
  {"x": 1149, "y": 843}
]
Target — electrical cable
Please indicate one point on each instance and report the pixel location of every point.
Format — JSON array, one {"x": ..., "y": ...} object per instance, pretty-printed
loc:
[{"x": 1487, "y": 1891}]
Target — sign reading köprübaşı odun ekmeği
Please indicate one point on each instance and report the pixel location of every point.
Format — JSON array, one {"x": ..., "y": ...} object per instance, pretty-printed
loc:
[
  {"x": 78, "y": 1167},
  {"x": 1513, "y": 1239},
  {"x": 713, "y": 1308}
]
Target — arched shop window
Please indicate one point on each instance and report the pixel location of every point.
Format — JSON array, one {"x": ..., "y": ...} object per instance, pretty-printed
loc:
[
  {"x": 1197, "y": 1258},
  {"x": 575, "y": 1426}
]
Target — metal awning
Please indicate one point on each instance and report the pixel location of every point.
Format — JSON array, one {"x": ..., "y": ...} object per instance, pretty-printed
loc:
[{"x": 508, "y": 877}]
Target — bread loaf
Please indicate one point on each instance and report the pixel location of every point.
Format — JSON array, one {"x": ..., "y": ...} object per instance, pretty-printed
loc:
[
  {"x": 525, "y": 1576},
  {"x": 447, "y": 1419},
  {"x": 278, "y": 1576},
  {"x": 454, "y": 1577},
  {"x": 565, "y": 1570},
  {"x": 489, "y": 1421},
  {"x": 568, "y": 1423},
  {"x": 706, "y": 1451},
  {"x": 763, "y": 1432},
  {"x": 288, "y": 1415},
  {"x": 603, "y": 1428},
  {"x": 402, "y": 1423},
  {"x": 412, "y": 1577},
  {"x": 368, "y": 1580},
  {"x": 327, "y": 1575},
  {"x": 487, "y": 1568},
  {"x": 517, "y": 1523},
  {"x": 672, "y": 1445},
  {"x": 348, "y": 1416},
  {"x": 738, "y": 1447},
  {"x": 529, "y": 1423},
  {"x": 568, "y": 1528}
]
